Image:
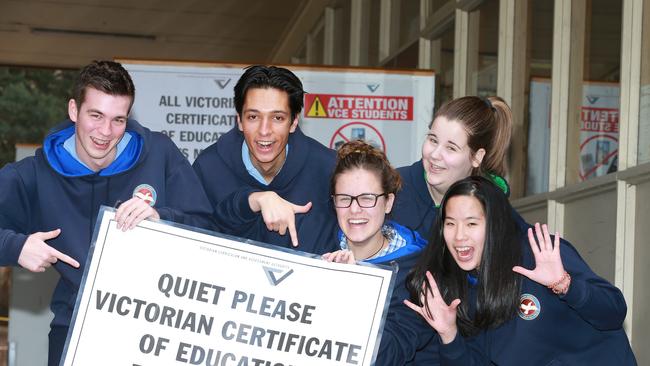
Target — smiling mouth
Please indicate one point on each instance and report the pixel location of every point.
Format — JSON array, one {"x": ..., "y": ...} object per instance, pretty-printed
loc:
[
  {"x": 264, "y": 145},
  {"x": 464, "y": 253},
  {"x": 356, "y": 222},
  {"x": 435, "y": 168},
  {"x": 102, "y": 144}
]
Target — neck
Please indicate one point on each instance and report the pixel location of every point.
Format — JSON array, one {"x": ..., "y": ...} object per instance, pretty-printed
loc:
[
  {"x": 271, "y": 169},
  {"x": 361, "y": 251},
  {"x": 435, "y": 195}
]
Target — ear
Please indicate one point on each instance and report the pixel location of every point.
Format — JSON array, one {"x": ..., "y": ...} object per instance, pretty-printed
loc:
[
  {"x": 390, "y": 199},
  {"x": 239, "y": 125},
  {"x": 73, "y": 112},
  {"x": 477, "y": 159},
  {"x": 294, "y": 124}
]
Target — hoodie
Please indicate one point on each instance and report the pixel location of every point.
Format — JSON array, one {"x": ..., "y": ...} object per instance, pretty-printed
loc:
[
  {"x": 304, "y": 178},
  {"x": 53, "y": 190}
]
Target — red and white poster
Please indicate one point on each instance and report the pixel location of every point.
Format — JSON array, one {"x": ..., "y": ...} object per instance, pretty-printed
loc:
[{"x": 193, "y": 104}]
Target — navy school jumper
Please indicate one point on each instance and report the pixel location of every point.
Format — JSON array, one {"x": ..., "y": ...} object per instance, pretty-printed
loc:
[
  {"x": 53, "y": 190},
  {"x": 583, "y": 327},
  {"x": 413, "y": 206},
  {"x": 304, "y": 177}
]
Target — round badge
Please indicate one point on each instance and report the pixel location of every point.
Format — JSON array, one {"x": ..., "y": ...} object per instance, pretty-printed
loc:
[
  {"x": 529, "y": 307},
  {"x": 146, "y": 193}
]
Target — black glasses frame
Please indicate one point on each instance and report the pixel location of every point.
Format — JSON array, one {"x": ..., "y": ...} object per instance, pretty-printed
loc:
[{"x": 356, "y": 198}]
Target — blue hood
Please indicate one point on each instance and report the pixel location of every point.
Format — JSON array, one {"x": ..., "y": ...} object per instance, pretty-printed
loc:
[{"x": 65, "y": 164}]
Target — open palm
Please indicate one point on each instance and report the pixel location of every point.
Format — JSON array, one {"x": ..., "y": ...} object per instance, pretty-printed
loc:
[{"x": 548, "y": 263}]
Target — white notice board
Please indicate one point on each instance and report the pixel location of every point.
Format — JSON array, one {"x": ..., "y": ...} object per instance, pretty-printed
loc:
[{"x": 161, "y": 294}]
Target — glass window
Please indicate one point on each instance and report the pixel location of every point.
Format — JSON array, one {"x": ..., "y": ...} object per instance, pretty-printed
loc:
[
  {"x": 599, "y": 114},
  {"x": 300, "y": 57},
  {"x": 539, "y": 49},
  {"x": 373, "y": 33},
  {"x": 483, "y": 79},
  {"x": 342, "y": 33},
  {"x": 643, "y": 154},
  {"x": 409, "y": 21},
  {"x": 316, "y": 45},
  {"x": 443, "y": 63}
]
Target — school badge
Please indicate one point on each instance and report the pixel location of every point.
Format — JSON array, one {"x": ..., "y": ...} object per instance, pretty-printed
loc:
[
  {"x": 146, "y": 193},
  {"x": 529, "y": 307}
]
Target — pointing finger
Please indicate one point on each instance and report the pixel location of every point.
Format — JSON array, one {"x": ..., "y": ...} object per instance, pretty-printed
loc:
[
  {"x": 65, "y": 258},
  {"x": 292, "y": 232}
]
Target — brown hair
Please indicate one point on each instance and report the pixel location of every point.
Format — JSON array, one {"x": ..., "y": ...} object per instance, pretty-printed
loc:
[
  {"x": 360, "y": 155},
  {"x": 488, "y": 122},
  {"x": 106, "y": 76}
]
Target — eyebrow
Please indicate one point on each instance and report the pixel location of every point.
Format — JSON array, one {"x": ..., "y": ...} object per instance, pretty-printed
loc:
[
  {"x": 258, "y": 111},
  {"x": 448, "y": 141},
  {"x": 92, "y": 110},
  {"x": 464, "y": 218}
]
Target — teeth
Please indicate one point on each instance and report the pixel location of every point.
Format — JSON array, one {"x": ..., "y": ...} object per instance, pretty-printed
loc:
[
  {"x": 463, "y": 250},
  {"x": 265, "y": 143},
  {"x": 357, "y": 221},
  {"x": 99, "y": 142}
]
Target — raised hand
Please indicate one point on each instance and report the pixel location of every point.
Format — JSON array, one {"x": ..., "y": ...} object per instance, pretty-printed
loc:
[
  {"x": 36, "y": 255},
  {"x": 131, "y": 212},
  {"x": 436, "y": 312},
  {"x": 340, "y": 256},
  {"x": 548, "y": 263},
  {"x": 278, "y": 214}
]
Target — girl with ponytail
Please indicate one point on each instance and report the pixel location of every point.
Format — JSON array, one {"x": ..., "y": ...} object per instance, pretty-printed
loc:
[{"x": 468, "y": 136}]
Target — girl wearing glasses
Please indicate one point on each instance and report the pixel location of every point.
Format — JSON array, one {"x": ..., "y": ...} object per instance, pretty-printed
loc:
[
  {"x": 363, "y": 188},
  {"x": 526, "y": 299}
]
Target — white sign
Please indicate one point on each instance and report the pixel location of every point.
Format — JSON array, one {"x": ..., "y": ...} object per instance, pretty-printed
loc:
[
  {"x": 193, "y": 104},
  {"x": 164, "y": 295}
]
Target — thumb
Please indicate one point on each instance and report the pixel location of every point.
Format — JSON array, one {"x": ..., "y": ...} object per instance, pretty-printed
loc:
[
  {"x": 302, "y": 209},
  {"x": 454, "y": 304},
  {"x": 47, "y": 235},
  {"x": 522, "y": 271}
]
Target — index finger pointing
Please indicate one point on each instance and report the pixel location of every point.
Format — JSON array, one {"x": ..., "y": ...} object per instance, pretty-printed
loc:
[
  {"x": 65, "y": 258},
  {"x": 293, "y": 233}
]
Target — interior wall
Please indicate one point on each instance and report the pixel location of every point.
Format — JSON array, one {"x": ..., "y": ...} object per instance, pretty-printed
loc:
[
  {"x": 641, "y": 317},
  {"x": 590, "y": 225}
]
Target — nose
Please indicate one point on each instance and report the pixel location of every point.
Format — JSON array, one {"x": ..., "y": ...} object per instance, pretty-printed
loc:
[
  {"x": 460, "y": 233},
  {"x": 105, "y": 127},
  {"x": 435, "y": 153},
  {"x": 265, "y": 126},
  {"x": 354, "y": 207}
]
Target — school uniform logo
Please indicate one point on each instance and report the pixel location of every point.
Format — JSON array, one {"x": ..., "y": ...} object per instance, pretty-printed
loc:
[
  {"x": 529, "y": 307},
  {"x": 146, "y": 193}
]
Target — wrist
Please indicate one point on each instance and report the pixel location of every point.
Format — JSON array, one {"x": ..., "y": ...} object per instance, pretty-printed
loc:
[
  {"x": 561, "y": 286},
  {"x": 448, "y": 336},
  {"x": 253, "y": 201}
]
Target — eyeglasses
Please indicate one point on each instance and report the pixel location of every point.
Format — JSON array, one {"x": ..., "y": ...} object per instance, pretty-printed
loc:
[{"x": 364, "y": 200}]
